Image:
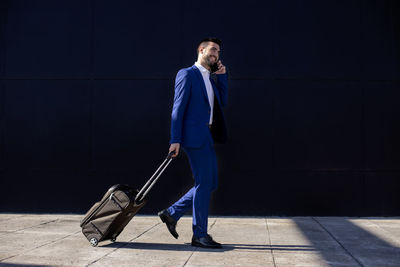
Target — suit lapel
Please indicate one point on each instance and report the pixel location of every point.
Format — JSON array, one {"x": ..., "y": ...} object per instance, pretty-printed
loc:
[{"x": 202, "y": 84}]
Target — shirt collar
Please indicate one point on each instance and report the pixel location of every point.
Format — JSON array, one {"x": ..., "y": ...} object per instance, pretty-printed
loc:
[{"x": 201, "y": 68}]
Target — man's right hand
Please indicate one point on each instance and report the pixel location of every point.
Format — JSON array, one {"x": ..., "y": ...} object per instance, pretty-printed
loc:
[{"x": 174, "y": 147}]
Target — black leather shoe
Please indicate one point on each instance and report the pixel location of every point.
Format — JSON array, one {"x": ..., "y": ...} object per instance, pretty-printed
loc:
[
  {"x": 169, "y": 222},
  {"x": 205, "y": 242}
]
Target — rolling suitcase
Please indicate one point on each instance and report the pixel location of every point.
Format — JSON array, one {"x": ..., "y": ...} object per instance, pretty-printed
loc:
[{"x": 107, "y": 218}]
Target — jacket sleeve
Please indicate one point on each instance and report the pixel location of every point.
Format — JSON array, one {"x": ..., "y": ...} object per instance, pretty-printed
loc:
[
  {"x": 222, "y": 86},
  {"x": 182, "y": 93}
]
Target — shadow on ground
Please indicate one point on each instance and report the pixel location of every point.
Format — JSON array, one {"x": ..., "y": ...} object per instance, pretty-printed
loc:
[{"x": 188, "y": 247}]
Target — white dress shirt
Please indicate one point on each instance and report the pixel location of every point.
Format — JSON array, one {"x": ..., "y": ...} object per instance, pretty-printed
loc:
[{"x": 210, "y": 91}]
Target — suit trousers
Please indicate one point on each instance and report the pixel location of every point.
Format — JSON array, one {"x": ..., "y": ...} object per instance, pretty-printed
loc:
[{"x": 203, "y": 162}]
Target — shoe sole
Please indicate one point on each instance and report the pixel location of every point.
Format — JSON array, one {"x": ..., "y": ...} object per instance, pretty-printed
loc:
[{"x": 201, "y": 246}]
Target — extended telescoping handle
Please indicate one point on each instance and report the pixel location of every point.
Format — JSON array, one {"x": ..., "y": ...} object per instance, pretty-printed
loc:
[{"x": 151, "y": 182}]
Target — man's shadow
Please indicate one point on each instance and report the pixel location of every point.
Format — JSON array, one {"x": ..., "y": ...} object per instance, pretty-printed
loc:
[{"x": 188, "y": 247}]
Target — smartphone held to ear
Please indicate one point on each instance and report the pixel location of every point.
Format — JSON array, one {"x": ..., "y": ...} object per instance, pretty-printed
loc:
[{"x": 214, "y": 67}]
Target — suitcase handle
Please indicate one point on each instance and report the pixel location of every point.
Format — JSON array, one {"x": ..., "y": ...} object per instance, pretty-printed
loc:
[{"x": 151, "y": 182}]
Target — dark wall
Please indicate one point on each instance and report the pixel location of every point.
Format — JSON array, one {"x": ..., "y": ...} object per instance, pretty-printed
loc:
[{"x": 86, "y": 90}]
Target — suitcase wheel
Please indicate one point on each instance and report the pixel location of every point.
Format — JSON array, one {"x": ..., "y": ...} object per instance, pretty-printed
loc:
[
  {"x": 113, "y": 239},
  {"x": 94, "y": 242}
]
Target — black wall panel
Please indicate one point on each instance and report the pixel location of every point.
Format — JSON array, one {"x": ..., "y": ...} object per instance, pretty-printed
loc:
[
  {"x": 125, "y": 118},
  {"x": 319, "y": 126},
  {"x": 380, "y": 40},
  {"x": 86, "y": 91},
  {"x": 317, "y": 39},
  {"x": 250, "y": 126},
  {"x": 140, "y": 40},
  {"x": 47, "y": 124},
  {"x": 246, "y": 30},
  {"x": 48, "y": 38},
  {"x": 382, "y": 131},
  {"x": 2, "y": 126},
  {"x": 3, "y": 19},
  {"x": 381, "y": 193},
  {"x": 287, "y": 193}
]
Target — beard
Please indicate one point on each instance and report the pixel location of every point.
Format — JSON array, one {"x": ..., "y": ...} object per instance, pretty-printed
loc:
[{"x": 211, "y": 60}]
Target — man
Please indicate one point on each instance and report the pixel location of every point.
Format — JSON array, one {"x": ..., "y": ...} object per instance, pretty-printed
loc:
[{"x": 196, "y": 123}]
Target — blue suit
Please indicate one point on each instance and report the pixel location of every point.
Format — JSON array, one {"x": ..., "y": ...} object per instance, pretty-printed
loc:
[{"x": 190, "y": 127}]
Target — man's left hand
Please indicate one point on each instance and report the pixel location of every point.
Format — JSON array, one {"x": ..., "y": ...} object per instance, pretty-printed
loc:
[{"x": 221, "y": 68}]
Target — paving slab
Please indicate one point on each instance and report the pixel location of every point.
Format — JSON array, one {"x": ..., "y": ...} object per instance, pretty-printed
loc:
[
  {"x": 156, "y": 247},
  {"x": 365, "y": 241},
  {"x": 56, "y": 240},
  {"x": 245, "y": 243},
  {"x": 17, "y": 223},
  {"x": 302, "y": 242}
]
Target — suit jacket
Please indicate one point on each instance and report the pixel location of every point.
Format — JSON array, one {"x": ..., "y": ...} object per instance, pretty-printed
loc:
[{"x": 191, "y": 110}]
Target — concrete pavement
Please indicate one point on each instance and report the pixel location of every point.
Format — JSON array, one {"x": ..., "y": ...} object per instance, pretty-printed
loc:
[{"x": 56, "y": 240}]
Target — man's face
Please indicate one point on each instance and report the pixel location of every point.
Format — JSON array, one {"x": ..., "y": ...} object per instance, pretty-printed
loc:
[{"x": 210, "y": 53}]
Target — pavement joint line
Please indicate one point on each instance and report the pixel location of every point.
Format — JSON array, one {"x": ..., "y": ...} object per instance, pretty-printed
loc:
[
  {"x": 124, "y": 245},
  {"x": 334, "y": 238},
  {"x": 196, "y": 248},
  {"x": 270, "y": 242},
  {"x": 12, "y": 218},
  {"x": 48, "y": 243},
  {"x": 30, "y": 227}
]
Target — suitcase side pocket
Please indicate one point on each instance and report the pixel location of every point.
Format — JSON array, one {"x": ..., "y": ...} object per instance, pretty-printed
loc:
[
  {"x": 100, "y": 224},
  {"x": 88, "y": 216}
]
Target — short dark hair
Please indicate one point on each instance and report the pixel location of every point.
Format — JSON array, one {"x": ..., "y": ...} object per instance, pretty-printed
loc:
[{"x": 208, "y": 39}]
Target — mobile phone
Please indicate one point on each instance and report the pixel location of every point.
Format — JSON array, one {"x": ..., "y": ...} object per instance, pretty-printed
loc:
[{"x": 214, "y": 67}]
